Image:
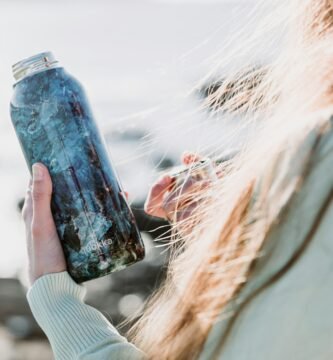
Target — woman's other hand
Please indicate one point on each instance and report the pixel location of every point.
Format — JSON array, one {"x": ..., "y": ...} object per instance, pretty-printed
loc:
[
  {"x": 163, "y": 202},
  {"x": 45, "y": 254}
]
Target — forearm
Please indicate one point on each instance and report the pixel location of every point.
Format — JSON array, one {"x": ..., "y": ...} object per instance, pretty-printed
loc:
[{"x": 75, "y": 330}]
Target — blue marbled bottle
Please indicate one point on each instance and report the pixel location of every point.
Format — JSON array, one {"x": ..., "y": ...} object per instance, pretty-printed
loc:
[{"x": 55, "y": 126}]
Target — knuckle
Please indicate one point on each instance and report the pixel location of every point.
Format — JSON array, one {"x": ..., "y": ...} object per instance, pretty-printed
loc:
[
  {"x": 26, "y": 211},
  {"x": 38, "y": 195},
  {"x": 28, "y": 195},
  {"x": 24, "y": 207}
]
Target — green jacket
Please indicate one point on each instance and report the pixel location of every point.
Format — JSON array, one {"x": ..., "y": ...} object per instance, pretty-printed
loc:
[{"x": 284, "y": 309}]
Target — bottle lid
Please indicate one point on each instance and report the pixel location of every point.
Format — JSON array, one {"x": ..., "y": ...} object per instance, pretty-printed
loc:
[{"x": 34, "y": 64}]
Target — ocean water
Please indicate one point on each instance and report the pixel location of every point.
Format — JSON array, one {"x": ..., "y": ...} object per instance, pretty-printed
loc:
[{"x": 139, "y": 61}]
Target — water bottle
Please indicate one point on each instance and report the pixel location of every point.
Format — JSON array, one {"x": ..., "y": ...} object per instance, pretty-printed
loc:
[{"x": 55, "y": 126}]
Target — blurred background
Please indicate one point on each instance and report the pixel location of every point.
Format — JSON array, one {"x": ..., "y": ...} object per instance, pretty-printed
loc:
[{"x": 140, "y": 62}]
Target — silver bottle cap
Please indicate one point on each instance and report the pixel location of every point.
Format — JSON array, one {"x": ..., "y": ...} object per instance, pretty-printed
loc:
[{"x": 34, "y": 64}]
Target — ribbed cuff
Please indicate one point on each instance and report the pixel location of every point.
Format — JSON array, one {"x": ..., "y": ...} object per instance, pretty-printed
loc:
[
  {"x": 58, "y": 284},
  {"x": 71, "y": 326}
]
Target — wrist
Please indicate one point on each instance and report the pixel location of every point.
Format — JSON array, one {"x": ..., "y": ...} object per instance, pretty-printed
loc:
[{"x": 36, "y": 272}]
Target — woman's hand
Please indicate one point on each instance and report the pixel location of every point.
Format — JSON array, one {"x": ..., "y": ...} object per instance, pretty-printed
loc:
[
  {"x": 45, "y": 254},
  {"x": 164, "y": 203}
]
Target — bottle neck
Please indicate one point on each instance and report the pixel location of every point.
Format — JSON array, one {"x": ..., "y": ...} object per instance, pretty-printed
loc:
[{"x": 33, "y": 65}]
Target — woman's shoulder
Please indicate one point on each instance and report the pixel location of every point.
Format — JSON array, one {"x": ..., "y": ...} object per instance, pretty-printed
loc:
[
  {"x": 303, "y": 159},
  {"x": 300, "y": 189},
  {"x": 314, "y": 141},
  {"x": 285, "y": 287},
  {"x": 318, "y": 136},
  {"x": 297, "y": 195}
]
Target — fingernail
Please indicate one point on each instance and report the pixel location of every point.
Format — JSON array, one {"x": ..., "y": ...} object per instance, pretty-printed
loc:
[{"x": 37, "y": 172}]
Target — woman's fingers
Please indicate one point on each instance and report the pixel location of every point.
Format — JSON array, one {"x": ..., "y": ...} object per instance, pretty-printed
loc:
[
  {"x": 27, "y": 218},
  {"x": 163, "y": 199},
  {"x": 179, "y": 194},
  {"x": 153, "y": 204},
  {"x": 184, "y": 196},
  {"x": 41, "y": 199},
  {"x": 187, "y": 211},
  {"x": 44, "y": 247},
  {"x": 189, "y": 157},
  {"x": 27, "y": 206}
]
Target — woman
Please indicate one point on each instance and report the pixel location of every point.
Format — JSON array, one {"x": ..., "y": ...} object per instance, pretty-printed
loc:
[{"x": 252, "y": 278}]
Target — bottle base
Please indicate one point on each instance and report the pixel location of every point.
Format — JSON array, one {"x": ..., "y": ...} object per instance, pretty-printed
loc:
[{"x": 104, "y": 266}]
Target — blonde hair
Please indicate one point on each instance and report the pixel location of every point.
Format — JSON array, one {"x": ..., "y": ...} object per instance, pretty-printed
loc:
[{"x": 209, "y": 265}]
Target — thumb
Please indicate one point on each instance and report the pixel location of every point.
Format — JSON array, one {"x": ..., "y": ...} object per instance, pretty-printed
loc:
[{"x": 41, "y": 192}]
